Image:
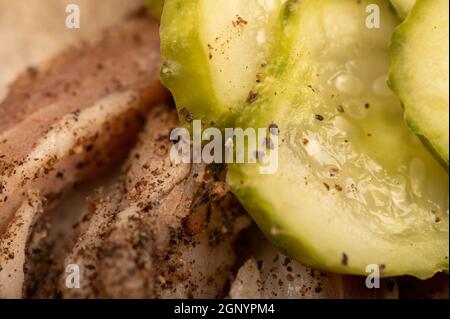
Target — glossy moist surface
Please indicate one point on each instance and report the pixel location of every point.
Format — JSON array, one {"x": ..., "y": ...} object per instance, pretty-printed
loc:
[{"x": 354, "y": 185}]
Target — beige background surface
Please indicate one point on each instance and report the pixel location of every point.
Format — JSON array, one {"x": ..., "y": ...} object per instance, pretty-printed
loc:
[{"x": 32, "y": 31}]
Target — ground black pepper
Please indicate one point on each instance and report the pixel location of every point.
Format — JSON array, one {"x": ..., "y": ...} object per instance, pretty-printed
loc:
[
  {"x": 318, "y": 117},
  {"x": 184, "y": 112}
]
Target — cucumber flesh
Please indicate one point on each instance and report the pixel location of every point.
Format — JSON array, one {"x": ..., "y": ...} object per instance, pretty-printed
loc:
[
  {"x": 403, "y": 7},
  {"x": 354, "y": 185},
  {"x": 212, "y": 51},
  {"x": 155, "y": 7},
  {"x": 419, "y": 72}
]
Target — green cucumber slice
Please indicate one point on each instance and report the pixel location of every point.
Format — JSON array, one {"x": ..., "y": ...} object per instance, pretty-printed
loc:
[
  {"x": 419, "y": 72},
  {"x": 354, "y": 186},
  {"x": 212, "y": 51}
]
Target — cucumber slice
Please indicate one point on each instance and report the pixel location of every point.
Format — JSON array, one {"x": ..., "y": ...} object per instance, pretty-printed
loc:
[
  {"x": 419, "y": 72},
  {"x": 403, "y": 7},
  {"x": 354, "y": 185},
  {"x": 212, "y": 51}
]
